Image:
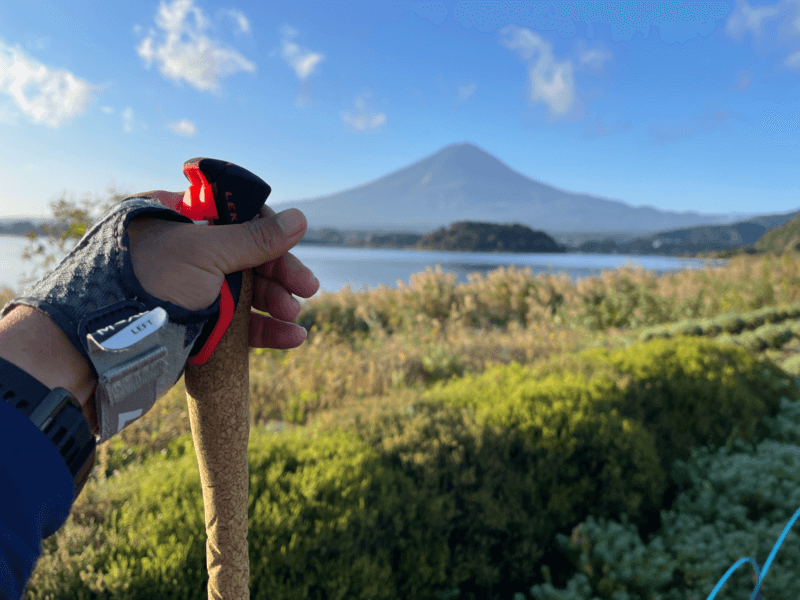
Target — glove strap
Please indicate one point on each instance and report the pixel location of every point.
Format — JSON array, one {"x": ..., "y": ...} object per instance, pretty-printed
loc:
[{"x": 129, "y": 358}]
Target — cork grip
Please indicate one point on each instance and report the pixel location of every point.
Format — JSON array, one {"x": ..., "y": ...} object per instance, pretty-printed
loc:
[{"x": 218, "y": 393}]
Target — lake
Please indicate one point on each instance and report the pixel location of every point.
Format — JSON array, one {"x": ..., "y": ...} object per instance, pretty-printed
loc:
[{"x": 361, "y": 268}]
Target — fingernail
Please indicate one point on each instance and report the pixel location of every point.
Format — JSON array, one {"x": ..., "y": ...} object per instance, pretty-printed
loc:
[{"x": 291, "y": 221}]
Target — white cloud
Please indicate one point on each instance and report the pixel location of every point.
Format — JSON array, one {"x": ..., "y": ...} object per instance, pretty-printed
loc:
[
  {"x": 466, "y": 91},
  {"x": 127, "y": 120},
  {"x": 549, "y": 81},
  {"x": 364, "y": 119},
  {"x": 793, "y": 61},
  {"x": 46, "y": 96},
  {"x": 200, "y": 61},
  {"x": 593, "y": 58},
  {"x": 108, "y": 110},
  {"x": 304, "y": 97},
  {"x": 302, "y": 60},
  {"x": 183, "y": 127},
  {"x": 744, "y": 18},
  {"x": 238, "y": 17}
]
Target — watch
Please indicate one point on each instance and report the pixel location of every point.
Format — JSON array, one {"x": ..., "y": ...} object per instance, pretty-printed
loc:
[{"x": 57, "y": 414}]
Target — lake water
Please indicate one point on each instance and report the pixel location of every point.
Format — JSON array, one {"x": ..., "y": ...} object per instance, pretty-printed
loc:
[{"x": 361, "y": 268}]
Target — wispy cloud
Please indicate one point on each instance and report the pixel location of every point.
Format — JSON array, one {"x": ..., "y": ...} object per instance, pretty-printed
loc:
[
  {"x": 745, "y": 18},
  {"x": 302, "y": 60},
  {"x": 183, "y": 127},
  {"x": 793, "y": 61},
  {"x": 237, "y": 16},
  {"x": 45, "y": 95},
  {"x": 365, "y": 118},
  {"x": 127, "y": 120},
  {"x": 549, "y": 81},
  {"x": 592, "y": 57},
  {"x": 200, "y": 61},
  {"x": 130, "y": 123},
  {"x": 466, "y": 91}
]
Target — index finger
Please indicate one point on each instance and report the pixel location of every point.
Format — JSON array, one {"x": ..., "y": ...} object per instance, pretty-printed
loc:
[{"x": 289, "y": 272}]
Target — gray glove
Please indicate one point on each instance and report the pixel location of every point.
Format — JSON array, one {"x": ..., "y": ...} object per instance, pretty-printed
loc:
[{"x": 137, "y": 344}]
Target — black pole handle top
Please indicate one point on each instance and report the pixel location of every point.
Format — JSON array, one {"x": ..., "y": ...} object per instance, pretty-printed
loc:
[{"x": 223, "y": 192}]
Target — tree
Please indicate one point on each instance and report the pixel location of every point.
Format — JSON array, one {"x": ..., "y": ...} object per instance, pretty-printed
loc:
[{"x": 71, "y": 224}]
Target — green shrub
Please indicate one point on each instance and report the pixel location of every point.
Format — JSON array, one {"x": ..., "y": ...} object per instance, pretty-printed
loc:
[
  {"x": 334, "y": 315},
  {"x": 440, "y": 364},
  {"x": 688, "y": 391},
  {"x": 149, "y": 541},
  {"x": 736, "y": 503},
  {"x": 329, "y": 520},
  {"x": 326, "y": 520},
  {"x": 775, "y": 336},
  {"x": 600, "y": 310},
  {"x": 792, "y": 365},
  {"x": 709, "y": 327},
  {"x": 540, "y": 456},
  {"x": 298, "y": 407},
  {"x": 731, "y": 323},
  {"x": 687, "y": 328}
]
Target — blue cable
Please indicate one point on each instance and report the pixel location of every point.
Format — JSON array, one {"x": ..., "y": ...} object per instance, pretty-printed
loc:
[{"x": 757, "y": 592}]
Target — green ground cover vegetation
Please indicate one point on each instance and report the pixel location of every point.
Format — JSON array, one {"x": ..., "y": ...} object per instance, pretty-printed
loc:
[{"x": 514, "y": 437}]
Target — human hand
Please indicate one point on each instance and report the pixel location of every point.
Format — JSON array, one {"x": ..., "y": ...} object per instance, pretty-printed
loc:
[{"x": 186, "y": 264}]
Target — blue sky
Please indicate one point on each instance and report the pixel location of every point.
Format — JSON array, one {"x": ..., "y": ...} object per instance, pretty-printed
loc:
[{"x": 680, "y": 106}]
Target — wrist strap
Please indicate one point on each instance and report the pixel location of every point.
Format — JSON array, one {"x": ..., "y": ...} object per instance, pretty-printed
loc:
[
  {"x": 130, "y": 358},
  {"x": 57, "y": 414}
]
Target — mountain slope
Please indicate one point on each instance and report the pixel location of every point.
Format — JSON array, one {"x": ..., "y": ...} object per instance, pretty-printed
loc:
[
  {"x": 781, "y": 239},
  {"x": 462, "y": 182},
  {"x": 703, "y": 238}
]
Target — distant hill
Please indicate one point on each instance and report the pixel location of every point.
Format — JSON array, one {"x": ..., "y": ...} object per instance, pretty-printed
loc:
[
  {"x": 727, "y": 239},
  {"x": 462, "y": 182},
  {"x": 488, "y": 237},
  {"x": 711, "y": 241},
  {"x": 781, "y": 239},
  {"x": 21, "y": 227}
]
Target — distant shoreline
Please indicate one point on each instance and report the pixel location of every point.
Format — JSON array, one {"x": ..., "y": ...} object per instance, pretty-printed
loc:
[{"x": 570, "y": 250}]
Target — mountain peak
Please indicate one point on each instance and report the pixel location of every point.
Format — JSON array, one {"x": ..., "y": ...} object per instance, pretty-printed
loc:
[
  {"x": 463, "y": 182},
  {"x": 466, "y": 160}
]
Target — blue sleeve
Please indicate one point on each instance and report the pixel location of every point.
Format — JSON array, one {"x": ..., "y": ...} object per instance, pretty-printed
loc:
[{"x": 36, "y": 496}]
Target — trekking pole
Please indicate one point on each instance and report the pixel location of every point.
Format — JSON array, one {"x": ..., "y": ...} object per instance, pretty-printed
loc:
[
  {"x": 218, "y": 393},
  {"x": 217, "y": 381}
]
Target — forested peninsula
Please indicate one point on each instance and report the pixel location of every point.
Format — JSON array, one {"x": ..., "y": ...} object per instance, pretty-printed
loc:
[{"x": 469, "y": 236}]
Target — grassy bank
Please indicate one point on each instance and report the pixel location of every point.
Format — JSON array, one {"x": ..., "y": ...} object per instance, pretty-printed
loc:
[{"x": 376, "y": 352}]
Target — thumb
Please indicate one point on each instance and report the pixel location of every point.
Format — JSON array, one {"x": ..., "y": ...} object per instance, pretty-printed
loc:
[{"x": 253, "y": 243}]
